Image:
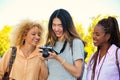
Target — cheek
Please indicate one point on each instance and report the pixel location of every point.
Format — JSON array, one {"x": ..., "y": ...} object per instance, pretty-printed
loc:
[
  {"x": 61, "y": 29},
  {"x": 29, "y": 37},
  {"x": 101, "y": 39}
]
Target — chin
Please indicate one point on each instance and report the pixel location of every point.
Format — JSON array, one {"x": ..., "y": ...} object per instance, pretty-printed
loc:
[
  {"x": 35, "y": 44},
  {"x": 58, "y": 35},
  {"x": 95, "y": 44}
]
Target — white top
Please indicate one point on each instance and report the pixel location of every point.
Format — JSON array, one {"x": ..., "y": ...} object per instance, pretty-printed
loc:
[{"x": 109, "y": 70}]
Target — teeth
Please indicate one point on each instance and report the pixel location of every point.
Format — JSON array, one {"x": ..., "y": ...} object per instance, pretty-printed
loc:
[
  {"x": 94, "y": 41},
  {"x": 57, "y": 32},
  {"x": 36, "y": 40}
]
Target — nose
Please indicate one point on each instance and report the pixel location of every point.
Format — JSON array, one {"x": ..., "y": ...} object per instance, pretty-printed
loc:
[
  {"x": 37, "y": 36},
  {"x": 94, "y": 36},
  {"x": 56, "y": 28}
]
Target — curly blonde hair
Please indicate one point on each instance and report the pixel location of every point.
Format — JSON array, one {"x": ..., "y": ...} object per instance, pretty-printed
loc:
[{"x": 23, "y": 29}]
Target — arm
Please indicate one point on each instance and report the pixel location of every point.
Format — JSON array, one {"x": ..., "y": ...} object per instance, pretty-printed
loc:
[
  {"x": 43, "y": 71},
  {"x": 78, "y": 57},
  {"x": 75, "y": 69},
  {"x": 4, "y": 63}
]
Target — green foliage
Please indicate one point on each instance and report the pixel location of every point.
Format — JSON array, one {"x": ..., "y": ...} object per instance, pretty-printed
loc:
[{"x": 4, "y": 39}]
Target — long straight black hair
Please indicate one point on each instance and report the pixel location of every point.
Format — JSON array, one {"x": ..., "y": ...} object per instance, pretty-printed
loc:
[{"x": 69, "y": 30}]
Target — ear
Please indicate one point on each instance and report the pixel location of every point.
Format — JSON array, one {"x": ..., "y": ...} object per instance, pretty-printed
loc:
[
  {"x": 24, "y": 37},
  {"x": 107, "y": 37}
]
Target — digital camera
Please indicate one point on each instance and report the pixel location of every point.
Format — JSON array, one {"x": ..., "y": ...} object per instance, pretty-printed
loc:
[{"x": 46, "y": 49}]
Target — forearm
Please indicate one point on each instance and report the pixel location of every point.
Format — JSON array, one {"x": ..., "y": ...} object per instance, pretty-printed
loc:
[
  {"x": 44, "y": 71},
  {"x": 0, "y": 77},
  {"x": 2, "y": 71},
  {"x": 72, "y": 69}
]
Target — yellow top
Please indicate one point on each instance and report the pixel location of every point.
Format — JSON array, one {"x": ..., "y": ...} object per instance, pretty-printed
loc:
[{"x": 30, "y": 68}]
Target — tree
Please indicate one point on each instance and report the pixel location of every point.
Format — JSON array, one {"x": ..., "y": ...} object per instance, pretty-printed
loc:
[
  {"x": 5, "y": 39},
  {"x": 88, "y": 38}
]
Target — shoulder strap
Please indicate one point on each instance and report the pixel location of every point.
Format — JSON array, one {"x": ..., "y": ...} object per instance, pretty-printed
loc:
[
  {"x": 80, "y": 78},
  {"x": 72, "y": 46},
  {"x": 12, "y": 58},
  {"x": 117, "y": 62},
  {"x": 63, "y": 48}
]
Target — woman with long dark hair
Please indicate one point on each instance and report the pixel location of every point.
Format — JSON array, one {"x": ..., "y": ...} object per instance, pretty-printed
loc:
[
  {"x": 63, "y": 37},
  {"x": 102, "y": 65}
]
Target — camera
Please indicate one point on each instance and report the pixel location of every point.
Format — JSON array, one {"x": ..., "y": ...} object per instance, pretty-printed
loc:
[{"x": 46, "y": 49}]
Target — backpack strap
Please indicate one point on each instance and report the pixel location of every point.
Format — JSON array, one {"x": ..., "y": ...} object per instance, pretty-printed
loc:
[
  {"x": 12, "y": 58},
  {"x": 117, "y": 62},
  {"x": 80, "y": 78}
]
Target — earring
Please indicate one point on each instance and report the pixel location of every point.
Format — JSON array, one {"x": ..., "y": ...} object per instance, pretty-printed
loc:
[{"x": 23, "y": 42}]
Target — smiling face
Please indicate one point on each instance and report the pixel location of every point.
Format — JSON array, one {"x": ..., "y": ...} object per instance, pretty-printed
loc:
[
  {"x": 57, "y": 27},
  {"x": 33, "y": 36},
  {"x": 100, "y": 38}
]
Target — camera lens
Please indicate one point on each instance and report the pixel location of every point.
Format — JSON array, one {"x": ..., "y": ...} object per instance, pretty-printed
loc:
[{"x": 45, "y": 53}]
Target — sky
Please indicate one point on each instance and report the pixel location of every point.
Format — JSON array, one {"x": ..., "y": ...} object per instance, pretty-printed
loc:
[{"x": 13, "y": 12}]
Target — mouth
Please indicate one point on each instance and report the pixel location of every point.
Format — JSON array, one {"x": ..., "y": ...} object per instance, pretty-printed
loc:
[
  {"x": 58, "y": 33},
  {"x": 94, "y": 41},
  {"x": 36, "y": 41}
]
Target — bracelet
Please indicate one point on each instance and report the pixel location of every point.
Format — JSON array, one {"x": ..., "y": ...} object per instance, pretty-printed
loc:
[{"x": 63, "y": 62}]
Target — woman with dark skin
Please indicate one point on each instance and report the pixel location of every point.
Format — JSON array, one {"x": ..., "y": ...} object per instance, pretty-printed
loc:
[{"x": 102, "y": 65}]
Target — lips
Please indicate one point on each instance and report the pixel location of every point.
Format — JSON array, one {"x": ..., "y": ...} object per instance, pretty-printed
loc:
[
  {"x": 57, "y": 33},
  {"x": 36, "y": 41},
  {"x": 95, "y": 42}
]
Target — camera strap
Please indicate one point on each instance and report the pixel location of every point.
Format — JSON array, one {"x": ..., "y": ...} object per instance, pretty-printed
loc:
[{"x": 63, "y": 48}]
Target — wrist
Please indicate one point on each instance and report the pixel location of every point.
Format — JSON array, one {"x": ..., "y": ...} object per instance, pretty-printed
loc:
[{"x": 63, "y": 62}]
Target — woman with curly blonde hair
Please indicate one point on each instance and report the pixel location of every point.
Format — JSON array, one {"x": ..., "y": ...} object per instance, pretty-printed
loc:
[{"x": 27, "y": 64}]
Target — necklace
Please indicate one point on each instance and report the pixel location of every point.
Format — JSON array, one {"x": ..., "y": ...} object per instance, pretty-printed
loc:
[{"x": 101, "y": 66}]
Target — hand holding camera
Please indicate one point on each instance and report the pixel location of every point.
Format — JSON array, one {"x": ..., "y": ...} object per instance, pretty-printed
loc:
[{"x": 47, "y": 49}]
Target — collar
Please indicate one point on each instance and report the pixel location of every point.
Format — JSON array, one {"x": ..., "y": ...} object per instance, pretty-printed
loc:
[
  {"x": 112, "y": 49},
  {"x": 33, "y": 54}
]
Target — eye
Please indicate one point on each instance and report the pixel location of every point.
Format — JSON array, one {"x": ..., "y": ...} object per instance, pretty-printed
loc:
[
  {"x": 33, "y": 33},
  {"x": 97, "y": 34},
  {"x": 53, "y": 24},
  {"x": 39, "y": 35},
  {"x": 60, "y": 25}
]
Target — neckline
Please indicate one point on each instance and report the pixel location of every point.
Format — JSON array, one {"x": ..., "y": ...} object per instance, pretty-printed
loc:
[{"x": 104, "y": 57}]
